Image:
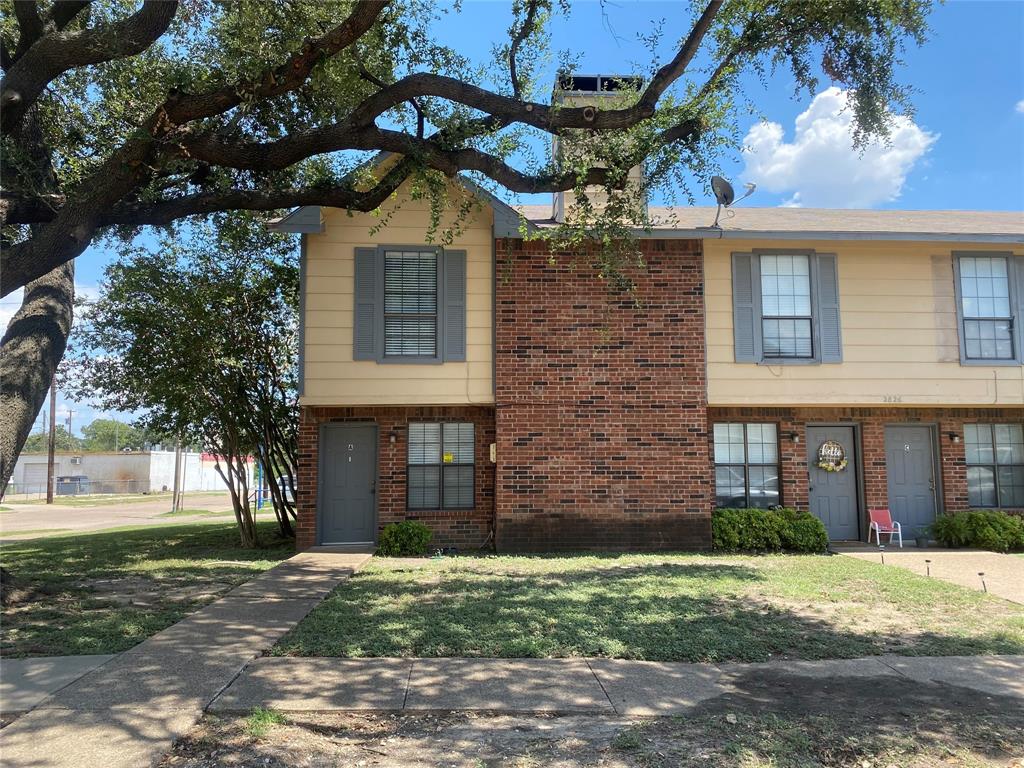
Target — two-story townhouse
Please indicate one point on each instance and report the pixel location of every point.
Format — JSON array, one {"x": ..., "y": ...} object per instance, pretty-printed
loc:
[
  {"x": 833, "y": 360},
  {"x": 504, "y": 395}
]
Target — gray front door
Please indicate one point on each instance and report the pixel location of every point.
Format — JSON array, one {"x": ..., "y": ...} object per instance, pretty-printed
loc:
[
  {"x": 910, "y": 465},
  {"x": 348, "y": 479},
  {"x": 833, "y": 495}
]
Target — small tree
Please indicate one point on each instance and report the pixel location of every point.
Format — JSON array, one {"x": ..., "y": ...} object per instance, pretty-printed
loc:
[
  {"x": 63, "y": 441},
  {"x": 200, "y": 334},
  {"x": 114, "y": 435}
]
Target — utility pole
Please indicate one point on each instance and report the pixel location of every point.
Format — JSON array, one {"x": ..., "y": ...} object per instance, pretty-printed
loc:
[
  {"x": 176, "y": 494},
  {"x": 52, "y": 442},
  {"x": 70, "y": 414}
]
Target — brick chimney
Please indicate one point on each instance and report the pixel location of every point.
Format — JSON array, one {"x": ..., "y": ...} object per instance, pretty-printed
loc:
[{"x": 602, "y": 92}]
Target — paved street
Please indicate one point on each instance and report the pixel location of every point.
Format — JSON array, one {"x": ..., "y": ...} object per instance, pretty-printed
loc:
[{"x": 144, "y": 511}]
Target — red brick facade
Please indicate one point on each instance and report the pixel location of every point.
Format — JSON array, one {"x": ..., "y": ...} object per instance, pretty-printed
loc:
[
  {"x": 601, "y": 422},
  {"x": 462, "y": 528},
  {"x": 870, "y": 423},
  {"x": 601, "y": 402}
]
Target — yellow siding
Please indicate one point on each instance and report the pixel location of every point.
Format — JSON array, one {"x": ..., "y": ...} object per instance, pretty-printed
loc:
[
  {"x": 332, "y": 377},
  {"x": 899, "y": 326}
]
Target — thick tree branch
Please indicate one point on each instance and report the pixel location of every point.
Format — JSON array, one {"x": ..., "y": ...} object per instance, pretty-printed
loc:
[
  {"x": 183, "y": 107},
  {"x": 525, "y": 30},
  {"x": 30, "y": 24},
  {"x": 65, "y": 11},
  {"x": 672, "y": 71},
  {"x": 58, "y": 52}
]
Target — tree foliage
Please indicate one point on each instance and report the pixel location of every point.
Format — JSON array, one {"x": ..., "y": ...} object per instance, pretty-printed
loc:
[
  {"x": 39, "y": 442},
  {"x": 116, "y": 116},
  {"x": 200, "y": 336},
  {"x": 115, "y": 435}
]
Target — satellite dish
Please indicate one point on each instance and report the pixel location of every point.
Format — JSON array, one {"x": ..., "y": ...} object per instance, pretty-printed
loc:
[
  {"x": 723, "y": 190},
  {"x": 725, "y": 195}
]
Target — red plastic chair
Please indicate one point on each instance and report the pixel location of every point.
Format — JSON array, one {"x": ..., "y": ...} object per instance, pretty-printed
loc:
[{"x": 882, "y": 522}]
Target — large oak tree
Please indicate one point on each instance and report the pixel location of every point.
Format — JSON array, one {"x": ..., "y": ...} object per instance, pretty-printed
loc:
[{"x": 117, "y": 115}]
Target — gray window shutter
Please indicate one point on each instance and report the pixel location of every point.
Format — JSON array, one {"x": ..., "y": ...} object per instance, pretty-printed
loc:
[
  {"x": 454, "y": 305},
  {"x": 366, "y": 301},
  {"x": 1018, "y": 320},
  {"x": 745, "y": 320},
  {"x": 830, "y": 332}
]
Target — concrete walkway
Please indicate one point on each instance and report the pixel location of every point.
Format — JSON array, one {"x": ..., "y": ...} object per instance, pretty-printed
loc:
[
  {"x": 1004, "y": 574},
  {"x": 24, "y": 683},
  {"x": 129, "y": 711},
  {"x": 610, "y": 686}
]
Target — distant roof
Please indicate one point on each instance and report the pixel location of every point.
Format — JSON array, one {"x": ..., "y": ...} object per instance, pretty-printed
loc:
[{"x": 744, "y": 222}]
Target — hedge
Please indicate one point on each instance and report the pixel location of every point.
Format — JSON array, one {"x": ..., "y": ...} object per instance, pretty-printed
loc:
[
  {"x": 980, "y": 528},
  {"x": 767, "y": 530},
  {"x": 406, "y": 539}
]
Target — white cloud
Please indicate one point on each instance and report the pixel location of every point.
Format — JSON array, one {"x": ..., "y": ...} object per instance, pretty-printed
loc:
[
  {"x": 821, "y": 168},
  {"x": 1020, "y": 107}
]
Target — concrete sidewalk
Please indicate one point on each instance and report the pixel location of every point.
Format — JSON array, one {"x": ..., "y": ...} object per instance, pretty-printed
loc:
[
  {"x": 1004, "y": 574},
  {"x": 24, "y": 683},
  {"x": 610, "y": 686},
  {"x": 129, "y": 711}
]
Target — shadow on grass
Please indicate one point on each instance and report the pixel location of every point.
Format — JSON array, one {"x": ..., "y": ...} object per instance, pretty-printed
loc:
[
  {"x": 774, "y": 718},
  {"x": 62, "y": 609},
  {"x": 650, "y": 611}
]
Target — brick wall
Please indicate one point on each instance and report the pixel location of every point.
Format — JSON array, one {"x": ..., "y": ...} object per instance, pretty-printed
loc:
[
  {"x": 463, "y": 528},
  {"x": 872, "y": 422},
  {"x": 601, "y": 402}
]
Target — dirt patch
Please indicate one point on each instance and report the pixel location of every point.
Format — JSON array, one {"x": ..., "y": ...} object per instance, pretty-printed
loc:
[
  {"x": 144, "y": 592},
  {"x": 776, "y": 720}
]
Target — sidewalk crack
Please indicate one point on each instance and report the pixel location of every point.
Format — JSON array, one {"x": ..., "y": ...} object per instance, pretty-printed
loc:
[
  {"x": 408, "y": 684},
  {"x": 603, "y": 690}
]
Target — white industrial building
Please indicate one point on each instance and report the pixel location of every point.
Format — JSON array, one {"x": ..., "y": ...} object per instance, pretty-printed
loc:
[{"x": 114, "y": 472}]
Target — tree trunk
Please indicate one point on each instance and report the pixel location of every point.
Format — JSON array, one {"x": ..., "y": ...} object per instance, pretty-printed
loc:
[{"x": 30, "y": 351}]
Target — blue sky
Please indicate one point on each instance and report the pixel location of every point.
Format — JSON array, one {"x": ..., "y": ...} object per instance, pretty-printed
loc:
[{"x": 964, "y": 148}]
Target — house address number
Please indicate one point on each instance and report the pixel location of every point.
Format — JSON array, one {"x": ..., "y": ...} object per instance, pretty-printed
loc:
[{"x": 892, "y": 398}]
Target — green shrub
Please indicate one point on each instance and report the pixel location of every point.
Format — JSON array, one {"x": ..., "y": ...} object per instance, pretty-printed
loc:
[
  {"x": 767, "y": 530},
  {"x": 981, "y": 528},
  {"x": 406, "y": 539}
]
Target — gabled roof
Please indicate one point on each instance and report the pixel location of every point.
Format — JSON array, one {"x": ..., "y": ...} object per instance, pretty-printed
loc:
[
  {"x": 744, "y": 222},
  {"x": 822, "y": 224},
  {"x": 308, "y": 219}
]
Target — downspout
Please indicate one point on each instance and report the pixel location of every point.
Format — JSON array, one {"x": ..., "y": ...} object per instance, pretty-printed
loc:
[
  {"x": 494, "y": 380},
  {"x": 302, "y": 315}
]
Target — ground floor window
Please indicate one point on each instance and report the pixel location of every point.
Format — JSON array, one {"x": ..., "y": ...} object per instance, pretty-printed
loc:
[
  {"x": 746, "y": 465},
  {"x": 440, "y": 469},
  {"x": 995, "y": 464}
]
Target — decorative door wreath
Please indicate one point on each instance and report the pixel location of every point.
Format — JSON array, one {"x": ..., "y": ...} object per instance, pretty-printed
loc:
[{"x": 831, "y": 456}]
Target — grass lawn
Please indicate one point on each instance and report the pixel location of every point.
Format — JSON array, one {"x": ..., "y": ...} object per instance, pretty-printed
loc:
[
  {"x": 655, "y": 607},
  {"x": 104, "y": 592}
]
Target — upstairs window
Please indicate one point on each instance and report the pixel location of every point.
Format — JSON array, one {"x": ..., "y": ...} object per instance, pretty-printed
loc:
[
  {"x": 986, "y": 318},
  {"x": 786, "y": 317},
  {"x": 410, "y": 303},
  {"x": 440, "y": 470},
  {"x": 746, "y": 465},
  {"x": 785, "y": 308},
  {"x": 995, "y": 464}
]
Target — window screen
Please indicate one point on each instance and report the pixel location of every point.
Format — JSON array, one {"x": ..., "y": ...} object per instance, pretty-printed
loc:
[
  {"x": 786, "y": 316},
  {"x": 440, "y": 471},
  {"x": 985, "y": 306},
  {"x": 746, "y": 465},
  {"x": 995, "y": 464},
  {"x": 410, "y": 304}
]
